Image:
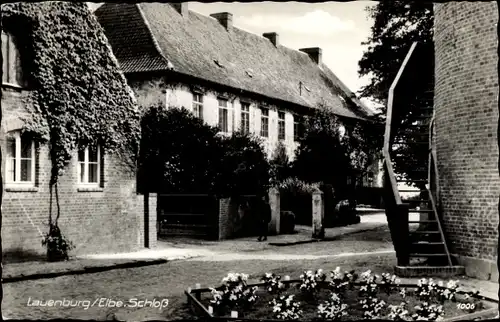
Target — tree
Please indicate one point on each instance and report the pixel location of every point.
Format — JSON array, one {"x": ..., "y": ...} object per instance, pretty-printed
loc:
[
  {"x": 280, "y": 164},
  {"x": 179, "y": 153},
  {"x": 169, "y": 139},
  {"x": 397, "y": 24},
  {"x": 321, "y": 157},
  {"x": 243, "y": 168}
]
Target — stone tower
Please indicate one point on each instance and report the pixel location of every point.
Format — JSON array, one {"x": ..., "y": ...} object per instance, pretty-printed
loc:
[{"x": 466, "y": 120}]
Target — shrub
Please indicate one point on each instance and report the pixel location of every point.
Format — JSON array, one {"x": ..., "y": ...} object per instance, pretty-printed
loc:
[
  {"x": 280, "y": 165},
  {"x": 321, "y": 156},
  {"x": 166, "y": 163},
  {"x": 58, "y": 246},
  {"x": 295, "y": 186},
  {"x": 272, "y": 283},
  {"x": 285, "y": 308},
  {"x": 339, "y": 282},
  {"x": 243, "y": 167},
  {"x": 310, "y": 281},
  {"x": 333, "y": 309},
  {"x": 234, "y": 293},
  {"x": 229, "y": 166}
]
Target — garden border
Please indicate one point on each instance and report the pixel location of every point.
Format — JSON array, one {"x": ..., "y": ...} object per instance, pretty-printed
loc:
[{"x": 194, "y": 301}]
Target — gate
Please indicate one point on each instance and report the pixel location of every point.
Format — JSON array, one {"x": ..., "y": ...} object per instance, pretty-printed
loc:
[{"x": 190, "y": 215}]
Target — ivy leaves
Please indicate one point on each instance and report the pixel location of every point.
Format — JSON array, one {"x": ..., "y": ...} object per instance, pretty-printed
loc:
[{"x": 79, "y": 94}]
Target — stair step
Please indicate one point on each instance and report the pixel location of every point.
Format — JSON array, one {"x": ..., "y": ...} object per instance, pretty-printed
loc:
[
  {"x": 427, "y": 243},
  {"x": 416, "y": 201},
  {"x": 422, "y": 221},
  {"x": 415, "y": 191},
  {"x": 426, "y": 255},
  {"x": 421, "y": 210},
  {"x": 408, "y": 143},
  {"x": 424, "y": 232},
  {"x": 407, "y": 180}
]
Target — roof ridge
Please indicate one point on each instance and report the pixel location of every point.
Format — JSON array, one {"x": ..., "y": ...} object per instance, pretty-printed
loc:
[
  {"x": 153, "y": 38},
  {"x": 247, "y": 31}
]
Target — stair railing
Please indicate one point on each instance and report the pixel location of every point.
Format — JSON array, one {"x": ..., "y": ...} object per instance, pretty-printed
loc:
[
  {"x": 397, "y": 212},
  {"x": 433, "y": 188}
]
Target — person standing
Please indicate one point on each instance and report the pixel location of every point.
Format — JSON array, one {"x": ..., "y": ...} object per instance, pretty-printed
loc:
[{"x": 264, "y": 217}]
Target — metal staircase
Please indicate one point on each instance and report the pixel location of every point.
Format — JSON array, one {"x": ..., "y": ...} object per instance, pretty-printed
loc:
[{"x": 419, "y": 241}]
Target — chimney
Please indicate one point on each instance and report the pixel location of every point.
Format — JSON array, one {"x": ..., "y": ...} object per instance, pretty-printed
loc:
[
  {"x": 180, "y": 7},
  {"x": 314, "y": 53},
  {"x": 273, "y": 37},
  {"x": 225, "y": 19}
]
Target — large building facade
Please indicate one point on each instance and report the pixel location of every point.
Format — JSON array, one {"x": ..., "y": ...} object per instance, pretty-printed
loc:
[
  {"x": 230, "y": 78},
  {"x": 466, "y": 121}
]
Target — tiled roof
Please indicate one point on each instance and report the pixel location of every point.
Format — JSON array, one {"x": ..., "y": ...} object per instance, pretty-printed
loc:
[{"x": 154, "y": 36}]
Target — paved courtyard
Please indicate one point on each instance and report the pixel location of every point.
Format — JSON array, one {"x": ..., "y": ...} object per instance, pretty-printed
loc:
[
  {"x": 361, "y": 251},
  {"x": 169, "y": 280}
]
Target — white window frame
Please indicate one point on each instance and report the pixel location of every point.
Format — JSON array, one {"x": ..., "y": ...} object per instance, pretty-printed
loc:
[
  {"x": 281, "y": 125},
  {"x": 17, "y": 157},
  {"x": 245, "y": 110},
  {"x": 86, "y": 163},
  {"x": 262, "y": 118},
  {"x": 223, "y": 108},
  {"x": 11, "y": 60},
  {"x": 198, "y": 105}
]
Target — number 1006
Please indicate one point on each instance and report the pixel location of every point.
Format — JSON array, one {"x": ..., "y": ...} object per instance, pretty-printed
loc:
[{"x": 466, "y": 306}]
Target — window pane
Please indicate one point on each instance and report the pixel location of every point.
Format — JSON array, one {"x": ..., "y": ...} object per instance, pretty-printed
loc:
[
  {"x": 93, "y": 175},
  {"x": 26, "y": 170},
  {"x": 222, "y": 102},
  {"x": 82, "y": 172},
  {"x": 5, "y": 55},
  {"x": 11, "y": 169},
  {"x": 264, "y": 111},
  {"x": 12, "y": 61},
  {"x": 26, "y": 148},
  {"x": 245, "y": 107},
  {"x": 223, "y": 120},
  {"x": 11, "y": 147},
  {"x": 81, "y": 155},
  {"x": 281, "y": 115},
  {"x": 93, "y": 154},
  {"x": 198, "y": 98}
]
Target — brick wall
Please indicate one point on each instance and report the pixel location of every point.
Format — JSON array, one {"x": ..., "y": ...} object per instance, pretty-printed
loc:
[
  {"x": 466, "y": 107},
  {"x": 96, "y": 221}
]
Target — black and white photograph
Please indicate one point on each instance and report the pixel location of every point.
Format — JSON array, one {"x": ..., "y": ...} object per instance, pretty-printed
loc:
[{"x": 250, "y": 161}]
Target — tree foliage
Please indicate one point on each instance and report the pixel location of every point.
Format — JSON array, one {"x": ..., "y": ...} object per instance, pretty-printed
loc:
[
  {"x": 321, "y": 157},
  {"x": 397, "y": 24},
  {"x": 280, "y": 164},
  {"x": 181, "y": 154},
  {"x": 243, "y": 168},
  {"x": 333, "y": 150}
]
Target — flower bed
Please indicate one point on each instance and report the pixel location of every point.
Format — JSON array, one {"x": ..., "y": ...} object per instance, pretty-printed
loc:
[{"x": 339, "y": 296}]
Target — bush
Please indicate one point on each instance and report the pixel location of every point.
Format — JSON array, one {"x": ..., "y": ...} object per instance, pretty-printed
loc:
[
  {"x": 243, "y": 168},
  {"x": 58, "y": 246},
  {"x": 181, "y": 154},
  {"x": 280, "y": 165}
]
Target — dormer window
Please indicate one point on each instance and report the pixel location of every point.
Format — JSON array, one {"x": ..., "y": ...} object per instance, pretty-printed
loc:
[{"x": 11, "y": 68}]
